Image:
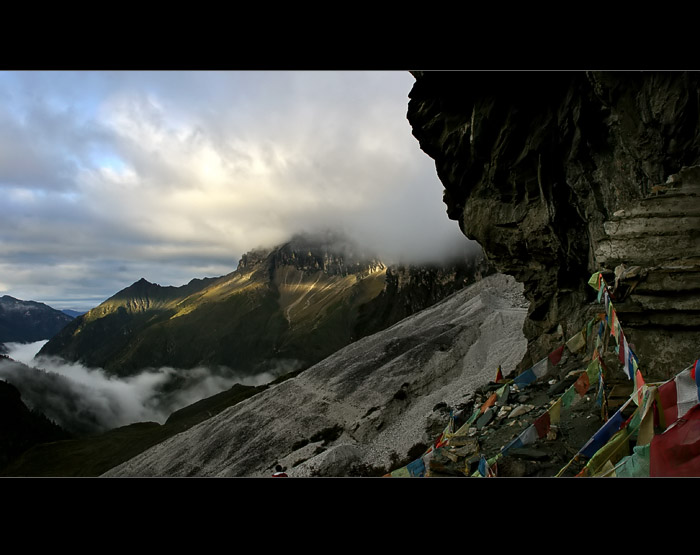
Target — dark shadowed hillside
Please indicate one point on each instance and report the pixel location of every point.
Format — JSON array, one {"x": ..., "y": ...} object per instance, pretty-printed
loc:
[{"x": 28, "y": 321}]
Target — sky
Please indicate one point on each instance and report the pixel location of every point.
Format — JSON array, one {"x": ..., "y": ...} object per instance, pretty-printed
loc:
[{"x": 107, "y": 177}]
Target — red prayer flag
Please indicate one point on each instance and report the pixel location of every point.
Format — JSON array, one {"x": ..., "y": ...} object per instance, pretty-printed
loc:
[
  {"x": 542, "y": 424},
  {"x": 676, "y": 452},
  {"x": 555, "y": 356},
  {"x": 582, "y": 384}
]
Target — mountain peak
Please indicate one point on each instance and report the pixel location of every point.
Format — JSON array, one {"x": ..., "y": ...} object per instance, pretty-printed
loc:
[
  {"x": 330, "y": 252},
  {"x": 27, "y": 321}
]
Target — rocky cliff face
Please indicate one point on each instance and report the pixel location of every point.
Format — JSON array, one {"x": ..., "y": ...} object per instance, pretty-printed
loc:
[
  {"x": 408, "y": 289},
  {"x": 561, "y": 174}
]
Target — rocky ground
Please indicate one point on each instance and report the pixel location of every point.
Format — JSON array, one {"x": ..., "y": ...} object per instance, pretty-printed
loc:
[{"x": 548, "y": 456}]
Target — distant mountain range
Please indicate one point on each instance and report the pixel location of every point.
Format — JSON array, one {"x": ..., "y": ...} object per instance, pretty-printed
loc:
[
  {"x": 28, "y": 321},
  {"x": 282, "y": 309},
  {"x": 73, "y": 313}
]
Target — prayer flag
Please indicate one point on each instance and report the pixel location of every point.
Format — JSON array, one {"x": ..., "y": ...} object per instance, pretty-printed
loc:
[
  {"x": 613, "y": 450},
  {"x": 577, "y": 342},
  {"x": 555, "y": 413},
  {"x": 602, "y": 436},
  {"x": 489, "y": 402},
  {"x": 589, "y": 327},
  {"x": 601, "y": 391},
  {"x": 635, "y": 465},
  {"x": 416, "y": 468},
  {"x": 482, "y": 465},
  {"x": 540, "y": 369},
  {"x": 686, "y": 392},
  {"x": 581, "y": 385},
  {"x": 529, "y": 435},
  {"x": 542, "y": 424},
  {"x": 555, "y": 356},
  {"x": 593, "y": 371},
  {"x": 525, "y": 378},
  {"x": 613, "y": 322},
  {"x": 676, "y": 452},
  {"x": 594, "y": 281},
  {"x": 399, "y": 473},
  {"x": 568, "y": 398},
  {"x": 639, "y": 386},
  {"x": 677, "y": 396}
]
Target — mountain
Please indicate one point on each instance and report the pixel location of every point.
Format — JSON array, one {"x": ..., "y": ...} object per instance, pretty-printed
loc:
[
  {"x": 367, "y": 407},
  {"x": 391, "y": 386},
  {"x": 28, "y": 321},
  {"x": 282, "y": 309},
  {"x": 20, "y": 427},
  {"x": 558, "y": 175},
  {"x": 73, "y": 313}
]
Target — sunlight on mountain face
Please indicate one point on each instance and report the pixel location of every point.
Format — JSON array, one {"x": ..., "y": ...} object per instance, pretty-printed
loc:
[{"x": 306, "y": 295}]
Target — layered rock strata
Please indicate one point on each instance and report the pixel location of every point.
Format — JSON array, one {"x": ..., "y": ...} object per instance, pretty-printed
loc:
[{"x": 561, "y": 174}]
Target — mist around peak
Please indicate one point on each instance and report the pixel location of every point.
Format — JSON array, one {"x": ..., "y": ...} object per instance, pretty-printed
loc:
[{"x": 359, "y": 246}]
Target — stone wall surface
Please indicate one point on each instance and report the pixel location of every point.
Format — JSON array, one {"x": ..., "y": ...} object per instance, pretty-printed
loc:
[{"x": 561, "y": 174}]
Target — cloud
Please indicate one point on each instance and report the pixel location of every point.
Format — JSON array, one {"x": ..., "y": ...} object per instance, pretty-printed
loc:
[
  {"x": 87, "y": 400},
  {"x": 112, "y": 176}
]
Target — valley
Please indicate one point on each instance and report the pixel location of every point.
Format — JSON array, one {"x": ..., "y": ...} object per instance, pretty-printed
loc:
[
  {"x": 582, "y": 191},
  {"x": 282, "y": 311}
]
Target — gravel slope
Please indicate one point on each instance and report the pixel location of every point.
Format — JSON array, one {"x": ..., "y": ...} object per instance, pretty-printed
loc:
[{"x": 364, "y": 406}]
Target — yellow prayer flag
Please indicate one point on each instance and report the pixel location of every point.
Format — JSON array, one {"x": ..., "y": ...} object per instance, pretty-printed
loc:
[
  {"x": 555, "y": 412},
  {"x": 577, "y": 342}
]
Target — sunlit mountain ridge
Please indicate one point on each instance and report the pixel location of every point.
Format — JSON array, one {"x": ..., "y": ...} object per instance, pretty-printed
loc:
[{"x": 282, "y": 309}]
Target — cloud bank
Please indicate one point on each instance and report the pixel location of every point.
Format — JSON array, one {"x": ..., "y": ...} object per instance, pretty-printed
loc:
[
  {"x": 87, "y": 401},
  {"x": 108, "y": 177}
]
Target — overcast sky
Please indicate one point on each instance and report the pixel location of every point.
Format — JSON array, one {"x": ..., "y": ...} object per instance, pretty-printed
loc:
[{"x": 108, "y": 177}]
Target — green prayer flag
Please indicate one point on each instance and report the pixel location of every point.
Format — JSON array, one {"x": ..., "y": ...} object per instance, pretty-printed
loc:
[
  {"x": 568, "y": 397},
  {"x": 635, "y": 465},
  {"x": 401, "y": 473},
  {"x": 593, "y": 371}
]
